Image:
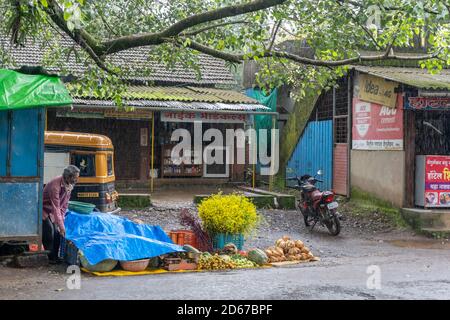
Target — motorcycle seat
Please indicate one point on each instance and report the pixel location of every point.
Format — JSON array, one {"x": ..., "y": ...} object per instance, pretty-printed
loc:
[{"x": 309, "y": 188}]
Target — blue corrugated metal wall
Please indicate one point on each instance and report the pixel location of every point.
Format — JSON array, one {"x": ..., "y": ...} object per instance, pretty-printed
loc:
[
  {"x": 21, "y": 141},
  {"x": 24, "y": 141},
  {"x": 314, "y": 151},
  {"x": 3, "y": 142}
]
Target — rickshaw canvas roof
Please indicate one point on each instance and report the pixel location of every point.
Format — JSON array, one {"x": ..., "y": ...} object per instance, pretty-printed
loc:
[{"x": 21, "y": 91}]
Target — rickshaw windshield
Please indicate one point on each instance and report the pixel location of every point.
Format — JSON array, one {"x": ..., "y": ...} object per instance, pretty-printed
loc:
[
  {"x": 86, "y": 164},
  {"x": 110, "y": 165}
]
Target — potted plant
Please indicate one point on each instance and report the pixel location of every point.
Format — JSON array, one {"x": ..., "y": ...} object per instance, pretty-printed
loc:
[{"x": 228, "y": 218}]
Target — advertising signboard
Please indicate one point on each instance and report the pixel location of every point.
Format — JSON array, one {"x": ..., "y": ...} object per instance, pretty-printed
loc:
[
  {"x": 437, "y": 181},
  {"x": 377, "y": 127}
]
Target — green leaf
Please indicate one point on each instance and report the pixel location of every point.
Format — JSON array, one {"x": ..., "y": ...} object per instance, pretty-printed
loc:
[
  {"x": 70, "y": 25},
  {"x": 67, "y": 15},
  {"x": 220, "y": 45},
  {"x": 44, "y": 3}
]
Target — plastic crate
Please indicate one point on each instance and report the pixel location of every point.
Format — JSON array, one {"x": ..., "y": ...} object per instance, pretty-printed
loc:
[
  {"x": 182, "y": 237},
  {"x": 221, "y": 239}
]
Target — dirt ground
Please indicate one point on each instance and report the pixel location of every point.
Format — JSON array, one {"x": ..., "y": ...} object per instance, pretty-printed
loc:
[{"x": 413, "y": 267}]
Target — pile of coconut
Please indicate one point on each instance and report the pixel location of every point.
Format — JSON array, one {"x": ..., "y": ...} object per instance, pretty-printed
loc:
[{"x": 286, "y": 249}]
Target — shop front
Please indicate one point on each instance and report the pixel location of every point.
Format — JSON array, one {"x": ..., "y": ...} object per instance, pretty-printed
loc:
[
  {"x": 401, "y": 136},
  {"x": 431, "y": 114},
  {"x": 200, "y": 128},
  {"x": 378, "y": 151},
  {"x": 164, "y": 142}
]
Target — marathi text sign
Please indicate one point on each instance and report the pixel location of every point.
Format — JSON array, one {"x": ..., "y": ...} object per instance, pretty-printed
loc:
[
  {"x": 437, "y": 181},
  {"x": 377, "y": 127},
  {"x": 428, "y": 103},
  {"x": 101, "y": 113},
  {"x": 205, "y": 117},
  {"x": 377, "y": 90}
]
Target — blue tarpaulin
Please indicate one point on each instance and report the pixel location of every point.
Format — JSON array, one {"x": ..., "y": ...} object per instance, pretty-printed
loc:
[{"x": 102, "y": 236}]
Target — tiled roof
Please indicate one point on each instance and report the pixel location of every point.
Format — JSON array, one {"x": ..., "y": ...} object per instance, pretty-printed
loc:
[
  {"x": 213, "y": 71},
  {"x": 415, "y": 77}
]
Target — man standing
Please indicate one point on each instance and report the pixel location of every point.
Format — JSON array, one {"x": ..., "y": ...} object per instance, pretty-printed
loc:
[{"x": 56, "y": 200}]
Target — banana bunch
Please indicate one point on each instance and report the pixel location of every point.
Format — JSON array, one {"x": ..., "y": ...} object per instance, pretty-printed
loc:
[{"x": 215, "y": 262}]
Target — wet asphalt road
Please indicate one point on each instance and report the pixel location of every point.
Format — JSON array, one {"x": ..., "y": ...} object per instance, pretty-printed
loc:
[{"x": 419, "y": 269}]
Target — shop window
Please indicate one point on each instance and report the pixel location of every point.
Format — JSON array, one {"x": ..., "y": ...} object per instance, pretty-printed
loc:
[
  {"x": 432, "y": 132},
  {"x": 340, "y": 131},
  {"x": 86, "y": 164}
]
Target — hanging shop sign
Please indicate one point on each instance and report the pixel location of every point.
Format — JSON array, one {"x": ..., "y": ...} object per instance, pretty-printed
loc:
[
  {"x": 377, "y": 127},
  {"x": 377, "y": 90},
  {"x": 437, "y": 181},
  {"x": 98, "y": 113},
  {"x": 205, "y": 117},
  {"x": 137, "y": 114},
  {"x": 428, "y": 103}
]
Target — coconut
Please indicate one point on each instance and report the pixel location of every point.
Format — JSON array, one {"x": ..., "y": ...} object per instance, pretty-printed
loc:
[{"x": 299, "y": 244}]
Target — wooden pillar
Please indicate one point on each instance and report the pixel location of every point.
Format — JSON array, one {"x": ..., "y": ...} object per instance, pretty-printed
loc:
[
  {"x": 152, "y": 152},
  {"x": 255, "y": 155},
  {"x": 410, "y": 157},
  {"x": 272, "y": 152}
]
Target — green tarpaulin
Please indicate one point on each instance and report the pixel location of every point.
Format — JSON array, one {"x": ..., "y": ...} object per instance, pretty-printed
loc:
[
  {"x": 264, "y": 121},
  {"x": 21, "y": 91}
]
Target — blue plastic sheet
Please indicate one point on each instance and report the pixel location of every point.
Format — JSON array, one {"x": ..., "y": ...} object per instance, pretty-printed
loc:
[{"x": 103, "y": 236}]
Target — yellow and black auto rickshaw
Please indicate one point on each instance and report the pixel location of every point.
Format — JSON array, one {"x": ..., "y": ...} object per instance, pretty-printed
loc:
[{"x": 93, "y": 154}]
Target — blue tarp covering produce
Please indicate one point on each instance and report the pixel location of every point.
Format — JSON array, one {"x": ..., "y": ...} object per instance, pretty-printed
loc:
[{"x": 103, "y": 236}]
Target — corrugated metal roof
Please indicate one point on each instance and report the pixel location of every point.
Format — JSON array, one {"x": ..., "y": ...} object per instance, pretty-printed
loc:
[
  {"x": 155, "y": 104},
  {"x": 185, "y": 94},
  {"x": 415, "y": 77}
]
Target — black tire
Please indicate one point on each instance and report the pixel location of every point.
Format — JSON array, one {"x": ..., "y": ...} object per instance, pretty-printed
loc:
[
  {"x": 305, "y": 220},
  {"x": 334, "y": 226},
  {"x": 304, "y": 214}
]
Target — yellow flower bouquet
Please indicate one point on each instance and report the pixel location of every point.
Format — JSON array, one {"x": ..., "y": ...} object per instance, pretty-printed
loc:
[{"x": 228, "y": 214}]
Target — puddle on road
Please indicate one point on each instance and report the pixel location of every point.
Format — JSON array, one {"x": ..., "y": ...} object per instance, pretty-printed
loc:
[{"x": 421, "y": 244}]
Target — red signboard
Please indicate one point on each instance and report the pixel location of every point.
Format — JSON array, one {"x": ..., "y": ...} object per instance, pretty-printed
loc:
[
  {"x": 428, "y": 103},
  {"x": 186, "y": 116},
  {"x": 437, "y": 181},
  {"x": 376, "y": 127}
]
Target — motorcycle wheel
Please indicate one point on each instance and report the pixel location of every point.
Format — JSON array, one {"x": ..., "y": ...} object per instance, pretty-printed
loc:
[
  {"x": 334, "y": 226},
  {"x": 305, "y": 219},
  {"x": 304, "y": 214}
]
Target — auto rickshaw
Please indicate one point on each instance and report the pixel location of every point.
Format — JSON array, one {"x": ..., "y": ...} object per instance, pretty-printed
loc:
[{"x": 93, "y": 154}]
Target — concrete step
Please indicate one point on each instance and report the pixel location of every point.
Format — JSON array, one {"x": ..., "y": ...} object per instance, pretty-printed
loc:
[
  {"x": 31, "y": 260},
  {"x": 427, "y": 218},
  {"x": 285, "y": 201},
  {"x": 437, "y": 232},
  {"x": 169, "y": 183},
  {"x": 134, "y": 200}
]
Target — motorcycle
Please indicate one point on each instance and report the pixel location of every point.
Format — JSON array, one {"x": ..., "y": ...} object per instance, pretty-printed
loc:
[{"x": 317, "y": 206}]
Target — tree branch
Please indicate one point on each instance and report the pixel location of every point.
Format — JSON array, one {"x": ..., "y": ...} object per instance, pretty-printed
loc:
[
  {"x": 80, "y": 37},
  {"x": 274, "y": 34},
  {"x": 196, "y": 32},
  {"x": 391, "y": 8},
  {"x": 238, "y": 58},
  {"x": 146, "y": 39},
  {"x": 355, "y": 19}
]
